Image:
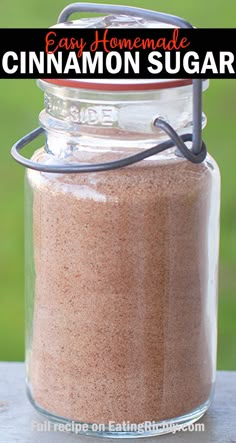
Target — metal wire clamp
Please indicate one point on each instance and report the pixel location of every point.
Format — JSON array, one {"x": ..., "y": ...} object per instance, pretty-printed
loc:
[{"x": 198, "y": 151}]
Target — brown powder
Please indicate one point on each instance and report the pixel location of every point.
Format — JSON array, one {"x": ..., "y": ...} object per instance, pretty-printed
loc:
[{"x": 121, "y": 316}]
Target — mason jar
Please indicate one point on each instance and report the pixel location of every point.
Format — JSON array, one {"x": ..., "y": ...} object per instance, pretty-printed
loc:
[{"x": 121, "y": 263}]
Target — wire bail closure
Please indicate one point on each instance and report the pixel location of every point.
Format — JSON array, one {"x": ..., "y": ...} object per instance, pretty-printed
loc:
[{"x": 198, "y": 151}]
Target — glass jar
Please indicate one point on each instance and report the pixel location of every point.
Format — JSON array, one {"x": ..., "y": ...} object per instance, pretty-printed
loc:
[{"x": 121, "y": 265}]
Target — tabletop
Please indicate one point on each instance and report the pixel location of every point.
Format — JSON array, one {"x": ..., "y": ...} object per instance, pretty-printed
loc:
[{"x": 20, "y": 423}]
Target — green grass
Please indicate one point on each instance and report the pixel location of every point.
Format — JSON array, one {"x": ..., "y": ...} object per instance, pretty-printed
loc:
[{"x": 21, "y": 101}]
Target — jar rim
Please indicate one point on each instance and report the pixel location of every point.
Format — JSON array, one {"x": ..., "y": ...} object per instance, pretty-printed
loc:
[{"x": 104, "y": 85}]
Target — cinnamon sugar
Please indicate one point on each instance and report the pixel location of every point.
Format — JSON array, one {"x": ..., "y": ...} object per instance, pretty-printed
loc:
[{"x": 121, "y": 314}]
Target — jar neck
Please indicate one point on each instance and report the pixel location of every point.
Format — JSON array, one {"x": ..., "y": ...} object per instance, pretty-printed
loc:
[{"x": 78, "y": 117}]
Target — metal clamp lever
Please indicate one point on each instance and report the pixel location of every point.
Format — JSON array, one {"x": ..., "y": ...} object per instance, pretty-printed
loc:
[{"x": 175, "y": 140}]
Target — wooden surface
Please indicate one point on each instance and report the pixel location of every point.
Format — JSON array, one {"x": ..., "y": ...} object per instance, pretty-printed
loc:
[{"x": 17, "y": 416}]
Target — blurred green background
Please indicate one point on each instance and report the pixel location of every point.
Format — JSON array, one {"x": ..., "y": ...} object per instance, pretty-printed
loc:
[{"x": 20, "y": 103}]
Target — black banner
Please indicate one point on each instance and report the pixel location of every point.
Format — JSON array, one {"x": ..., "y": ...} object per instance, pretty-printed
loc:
[{"x": 120, "y": 53}]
